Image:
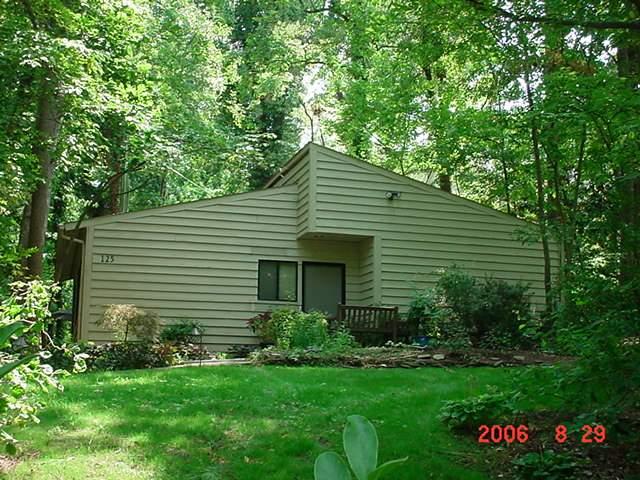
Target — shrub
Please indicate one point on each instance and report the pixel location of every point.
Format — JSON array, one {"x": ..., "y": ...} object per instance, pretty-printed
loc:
[
  {"x": 491, "y": 313},
  {"x": 429, "y": 315},
  {"x": 182, "y": 332},
  {"x": 360, "y": 442},
  {"x": 241, "y": 351},
  {"x": 70, "y": 357},
  {"x": 130, "y": 355},
  {"x": 422, "y": 312},
  {"x": 189, "y": 351},
  {"x": 503, "y": 308},
  {"x": 458, "y": 291},
  {"x": 125, "y": 320},
  {"x": 280, "y": 325},
  {"x": 261, "y": 326},
  {"x": 340, "y": 341},
  {"x": 23, "y": 373},
  {"x": 308, "y": 330},
  {"x": 294, "y": 329},
  {"x": 484, "y": 409}
]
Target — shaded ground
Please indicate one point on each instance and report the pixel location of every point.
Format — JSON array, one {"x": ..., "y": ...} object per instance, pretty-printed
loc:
[
  {"x": 385, "y": 357},
  {"x": 617, "y": 457},
  {"x": 238, "y": 422}
]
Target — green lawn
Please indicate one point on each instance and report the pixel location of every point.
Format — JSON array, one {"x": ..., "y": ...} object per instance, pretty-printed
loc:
[{"x": 243, "y": 422}]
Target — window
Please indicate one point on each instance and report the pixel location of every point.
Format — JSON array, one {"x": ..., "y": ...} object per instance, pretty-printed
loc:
[{"x": 277, "y": 280}]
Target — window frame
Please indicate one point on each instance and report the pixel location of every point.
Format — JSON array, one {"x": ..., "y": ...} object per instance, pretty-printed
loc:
[{"x": 278, "y": 263}]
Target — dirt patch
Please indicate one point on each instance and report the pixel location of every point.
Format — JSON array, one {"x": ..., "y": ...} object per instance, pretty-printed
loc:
[
  {"x": 8, "y": 463},
  {"x": 408, "y": 357}
]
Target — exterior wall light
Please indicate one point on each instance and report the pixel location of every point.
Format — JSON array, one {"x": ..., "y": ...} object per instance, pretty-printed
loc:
[{"x": 392, "y": 195}]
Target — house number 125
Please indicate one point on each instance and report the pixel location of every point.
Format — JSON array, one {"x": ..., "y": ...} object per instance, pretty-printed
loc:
[{"x": 107, "y": 258}]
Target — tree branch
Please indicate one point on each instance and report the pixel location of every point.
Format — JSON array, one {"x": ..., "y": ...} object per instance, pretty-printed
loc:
[
  {"x": 29, "y": 11},
  {"x": 566, "y": 22}
]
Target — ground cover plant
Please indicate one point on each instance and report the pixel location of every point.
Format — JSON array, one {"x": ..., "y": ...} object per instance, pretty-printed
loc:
[{"x": 246, "y": 423}]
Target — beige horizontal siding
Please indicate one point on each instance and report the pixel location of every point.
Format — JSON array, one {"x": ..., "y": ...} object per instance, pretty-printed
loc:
[
  {"x": 200, "y": 260},
  {"x": 202, "y": 263},
  {"x": 299, "y": 175},
  {"x": 367, "y": 273},
  {"x": 422, "y": 232}
]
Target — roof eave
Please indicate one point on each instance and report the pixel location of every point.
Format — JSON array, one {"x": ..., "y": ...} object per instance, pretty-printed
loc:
[{"x": 299, "y": 155}]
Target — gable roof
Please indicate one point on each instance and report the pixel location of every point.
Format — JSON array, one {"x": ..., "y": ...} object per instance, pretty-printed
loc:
[
  {"x": 176, "y": 207},
  {"x": 297, "y": 157},
  {"x": 300, "y": 155},
  {"x": 271, "y": 185}
]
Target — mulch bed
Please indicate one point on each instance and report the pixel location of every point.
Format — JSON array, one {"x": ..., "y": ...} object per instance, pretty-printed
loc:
[{"x": 408, "y": 357}]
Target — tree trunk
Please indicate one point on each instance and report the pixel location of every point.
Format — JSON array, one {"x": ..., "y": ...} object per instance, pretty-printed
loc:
[
  {"x": 571, "y": 241},
  {"x": 628, "y": 59},
  {"x": 444, "y": 182},
  {"x": 25, "y": 222},
  {"x": 114, "y": 164},
  {"x": 540, "y": 201},
  {"x": 47, "y": 128}
]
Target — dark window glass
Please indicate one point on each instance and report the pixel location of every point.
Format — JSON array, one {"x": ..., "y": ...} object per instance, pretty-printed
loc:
[{"x": 277, "y": 280}]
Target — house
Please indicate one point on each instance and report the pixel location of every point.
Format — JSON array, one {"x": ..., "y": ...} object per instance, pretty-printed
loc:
[{"x": 327, "y": 229}]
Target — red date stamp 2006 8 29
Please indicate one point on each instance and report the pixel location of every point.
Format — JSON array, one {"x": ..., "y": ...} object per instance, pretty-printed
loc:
[{"x": 520, "y": 434}]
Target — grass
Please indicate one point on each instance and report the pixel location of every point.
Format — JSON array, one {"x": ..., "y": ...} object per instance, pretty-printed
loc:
[{"x": 240, "y": 422}]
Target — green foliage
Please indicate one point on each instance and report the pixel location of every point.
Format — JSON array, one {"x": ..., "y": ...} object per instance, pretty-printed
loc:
[
  {"x": 486, "y": 409},
  {"x": 458, "y": 291},
  {"x": 125, "y": 320},
  {"x": 503, "y": 307},
  {"x": 125, "y": 356},
  {"x": 360, "y": 442},
  {"x": 340, "y": 340},
  {"x": 309, "y": 329},
  {"x": 130, "y": 355},
  {"x": 599, "y": 324},
  {"x": 182, "y": 332},
  {"x": 293, "y": 328},
  {"x": 281, "y": 324},
  {"x": 492, "y": 313},
  {"x": 261, "y": 326},
  {"x": 70, "y": 357},
  {"x": 546, "y": 464},
  {"x": 190, "y": 351},
  {"x": 23, "y": 373},
  {"x": 422, "y": 312}
]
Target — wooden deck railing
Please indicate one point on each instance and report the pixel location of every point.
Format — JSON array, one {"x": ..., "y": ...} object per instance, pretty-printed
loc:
[{"x": 372, "y": 320}]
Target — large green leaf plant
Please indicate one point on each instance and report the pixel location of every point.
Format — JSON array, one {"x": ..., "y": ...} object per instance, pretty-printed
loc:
[{"x": 361, "y": 447}]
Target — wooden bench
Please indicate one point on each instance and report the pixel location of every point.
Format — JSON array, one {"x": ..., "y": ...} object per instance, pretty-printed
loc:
[{"x": 372, "y": 320}]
